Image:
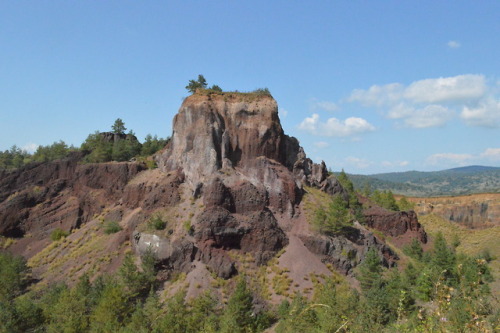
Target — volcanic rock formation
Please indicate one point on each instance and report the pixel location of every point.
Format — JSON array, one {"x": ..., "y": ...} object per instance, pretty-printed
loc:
[{"x": 229, "y": 181}]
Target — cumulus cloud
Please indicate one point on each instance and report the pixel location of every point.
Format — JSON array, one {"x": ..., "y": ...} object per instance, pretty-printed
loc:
[
  {"x": 487, "y": 156},
  {"x": 491, "y": 154},
  {"x": 335, "y": 127},
  {"x": 378, "y": 95},
  {"x": 357, "y": 162},
  {"x": 453, "y": 44},
  {"x": 486, "y": 114},
  {"x": 443, "y": 158},
  {"x": 448, "y": 89},
  {"x": 435, "y": 101},
  {"x": 395, "y": 163},
  {"x": 429, "y": 116}
]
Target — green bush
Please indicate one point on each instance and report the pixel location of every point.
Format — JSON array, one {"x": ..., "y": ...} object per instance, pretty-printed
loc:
[
  {"x": 57, "y": 234},
  {"x": 111, "y": 227},
  {"x": 157, "y": 223}
]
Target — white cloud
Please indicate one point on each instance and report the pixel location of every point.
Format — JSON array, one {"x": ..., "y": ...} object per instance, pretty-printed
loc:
[
  {"x": 321, "y": 144},
  {"x": 435, "y": 101},
  {"x": 453, "y": 44},
  {"x": 448, "y": 89},
  {"x": 395, "y": 163},
  {"x": 492, "y": 154},
  {"x": 378, "y": 95},
  {"x": 335, "y": 127},
  {"x": 486, "y": 113},
  {"x": 429, "y": 116},
  {"x": 310, "y": 124},
  {"x": 443, "y": 158},
  {"x": 488, "y": 156},
  {"x": 356, "y": 162},
  {"x": 30, "y": 147}
]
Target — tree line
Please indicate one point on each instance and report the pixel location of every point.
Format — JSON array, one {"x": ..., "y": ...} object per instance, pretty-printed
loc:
[{"x": 98, "y": 147}]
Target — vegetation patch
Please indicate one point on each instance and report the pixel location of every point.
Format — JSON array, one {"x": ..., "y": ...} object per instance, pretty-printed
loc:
[
  {"x": 111, "y": 227},
  {"x": 57, "y": 234}
]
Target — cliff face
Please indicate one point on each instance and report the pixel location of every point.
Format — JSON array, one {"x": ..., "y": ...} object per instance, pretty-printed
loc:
[
  {"x": 230, "y": 183},
  {"x": 242, "y": 138},
  {"x": 472, "y": 211}
]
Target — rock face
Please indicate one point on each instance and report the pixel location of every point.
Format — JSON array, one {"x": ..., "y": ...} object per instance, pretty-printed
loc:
[
  {"x": 62, "y": 194},
  {"x": 242, "y": 136},
  {"x": 472, "y": 211},
  {"x": 233, "y": 178},
  {"x": 395, "y": 224}
]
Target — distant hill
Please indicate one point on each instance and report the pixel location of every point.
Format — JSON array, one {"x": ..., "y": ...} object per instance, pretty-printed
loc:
[{"x": 456, "y": 181}]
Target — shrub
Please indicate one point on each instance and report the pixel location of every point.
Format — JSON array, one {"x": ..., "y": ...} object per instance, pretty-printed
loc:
[
  {"x": 157, "y": 223},
  {"x": 57, "y": 234},
  {"x": 111, "y": 227}
]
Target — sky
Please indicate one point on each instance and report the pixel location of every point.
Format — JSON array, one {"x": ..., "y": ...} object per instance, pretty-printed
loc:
[{"x": 366, "y": 86}]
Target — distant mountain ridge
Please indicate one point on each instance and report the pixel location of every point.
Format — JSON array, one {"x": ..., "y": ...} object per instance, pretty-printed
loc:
[{"x": 456, "y": 181}]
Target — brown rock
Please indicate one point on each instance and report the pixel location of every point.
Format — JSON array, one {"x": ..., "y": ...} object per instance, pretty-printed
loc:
[{"x": 395, "y": 224}]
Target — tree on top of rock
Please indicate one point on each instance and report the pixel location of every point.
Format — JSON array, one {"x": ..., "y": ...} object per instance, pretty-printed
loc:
[
  {"x": 118, "y": 127},
  {"x": 197, "y": 84}
]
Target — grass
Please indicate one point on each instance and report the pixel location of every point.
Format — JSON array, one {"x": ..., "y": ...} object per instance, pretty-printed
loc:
[
  {"x": 111, "y": 227},
  {"x": 240, "y": 96},
  {"x": 57, "y": 234},
  {"x": 5, "y": 242}
]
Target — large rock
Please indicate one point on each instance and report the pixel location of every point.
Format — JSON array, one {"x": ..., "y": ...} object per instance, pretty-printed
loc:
[
  {"x": 347, "y": 251},
  {"x": 217, "y": 229},
  {"x": 395, "y": 224},
  {"x": 62, "y": 194}
]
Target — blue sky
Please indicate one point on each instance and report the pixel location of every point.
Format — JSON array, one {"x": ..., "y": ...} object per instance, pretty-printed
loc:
[{"x": 368, "y": 86}]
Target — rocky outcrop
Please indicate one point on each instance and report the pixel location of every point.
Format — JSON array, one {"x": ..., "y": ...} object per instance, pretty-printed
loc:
[
  {"x": 61, "y": 194},
  {"x": 229, "y": 182},
  {"x": 347, "y": 251},
  {"x": 471, "y": 211},
  {"x": 255, "y": 232},
  {"x": 395, "y": 224},
  {"x": 237, "y": 135}
]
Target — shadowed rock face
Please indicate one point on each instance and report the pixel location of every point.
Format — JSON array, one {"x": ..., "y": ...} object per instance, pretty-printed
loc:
[{"x": 62, "y": 194}]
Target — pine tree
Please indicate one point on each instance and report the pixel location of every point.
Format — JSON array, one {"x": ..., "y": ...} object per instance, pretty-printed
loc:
[
  {"x": 118, "y": 127},
  {"x": 370, "y": 270},
  {"x": 238, "y": 316}
]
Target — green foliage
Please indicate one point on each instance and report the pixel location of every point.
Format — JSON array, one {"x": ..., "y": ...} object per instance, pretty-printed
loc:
[
  {"x": 414, "y": 249},
  {"x": 216, "y": 88},
  {"x": 156, "y": 222},
  {"x": 334, "y": 218},
  {"x": 111, "y": 227},
  {"x": 385, "y": 199},
  {"x": 111, "y": 311},
  {"x": 99, "y": 150},
  {"x": 370, "y": 270},
  {"x": 193, "y": 85},
  {"x": 55, "y": 151},
  {"x": 14, "y": 158},
  {"x": 262, "y": 92},
  {"x": 238, "y": 315},
  {"x": 57, "y": 234},
  {"x": 152, "y": 144},
  {"x": 118, "y": 127},
  {"x": 13, "y": 276},
  {"x": 404, "y": 204}
]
